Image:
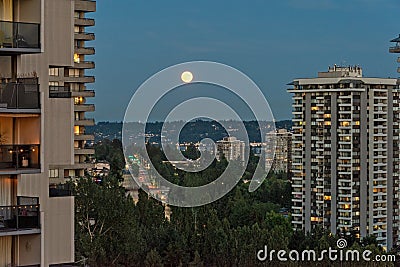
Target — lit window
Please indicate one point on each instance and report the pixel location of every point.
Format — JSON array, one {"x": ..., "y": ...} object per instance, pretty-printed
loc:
[
  {"x": 76, "y": 58},
  {"x": 73, "y": 72},
  {"x": 78, "y": 100},
  {"x": 54, "y": 71},
  {"x": 53, "y": 83},
  {"x": 76, "y": 130},
  {"x": 53, "y": 173},
  {"x": 327, "y": 116}
]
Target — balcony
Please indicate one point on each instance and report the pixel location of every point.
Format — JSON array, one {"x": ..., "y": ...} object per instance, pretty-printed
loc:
[
  {"x": 84, "y": 22},
  {"x": 85, "y": 50},
  {"x": 85, "y": 36},
  {"x": 21, "y": 219},
  {"x": 84, "y": 137},
  {"x": 84, "y": 122},
  {"x": 84, "y": 151},
  {"x": 65, "y": 92},
  {"x": 80, "y": 79},
  {"x": 19, "y": 96},
  {"x": 394, "y": 49},
  {"x": 85, "y": 93},
  {"x": 19, "y": 38},
  {"x": 60, "y": 190},
  {"x": 19, "y": 159},
  {"x": 84, "y": 108},
  {"x": 85, "y": 5},
  {"x": 84, "y": 65},
  {"x": 59, "y": 92}
]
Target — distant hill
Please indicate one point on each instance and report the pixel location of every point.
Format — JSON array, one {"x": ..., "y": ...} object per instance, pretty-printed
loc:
[{"x": 192, "y": 132}]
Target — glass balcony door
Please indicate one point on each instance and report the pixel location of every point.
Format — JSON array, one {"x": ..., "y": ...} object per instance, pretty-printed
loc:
[
  {"x": 7, "y": 191},
  {"x": 6, "y": 10},
  {"x": 5, "y": 250}
]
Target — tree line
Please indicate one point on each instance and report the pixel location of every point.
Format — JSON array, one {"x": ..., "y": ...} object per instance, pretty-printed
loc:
[{"x": 111, "y": 230}]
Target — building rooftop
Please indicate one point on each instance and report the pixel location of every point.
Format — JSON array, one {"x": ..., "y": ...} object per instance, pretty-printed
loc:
[
  {"x": 396, "y": 40},
  {"x": 343, "y": 75}
]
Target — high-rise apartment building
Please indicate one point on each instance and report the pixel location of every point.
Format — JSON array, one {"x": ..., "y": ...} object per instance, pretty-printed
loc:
[
  {"x": 345, "y": 158},
  {"x": 231, "y": 148},
  {"x": 281, "y": 143},
  {"x": 42, "y": 126}
]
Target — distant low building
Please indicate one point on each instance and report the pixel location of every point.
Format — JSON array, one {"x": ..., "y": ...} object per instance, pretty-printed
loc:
[
  {"x": 101, "y": 168},
  {"x": 231, "y": 148}
]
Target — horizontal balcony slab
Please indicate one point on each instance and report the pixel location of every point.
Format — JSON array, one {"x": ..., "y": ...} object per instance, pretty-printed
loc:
[
  {"x": 87, "y": 122},
  {"x": 85, "y": 5},
  {"x": 84, "y": 79},
  {"x": 75, "y": 166},
  {"x": 84, "y": 151},
  {"x": 14, "y": 232},
  {"x": 394, "y": 49},
  {"x": 84, "y": 22},
  {"x": 84, "y": 65},
  {"x": 83, "y": 137},
  {"x": 84, "y": 36},
  {"x": 84, "y": 108},
  {"x": 85, "y": 50},
  {"x": 85, "y": 93},
  {"x": 13, "y": 171}
]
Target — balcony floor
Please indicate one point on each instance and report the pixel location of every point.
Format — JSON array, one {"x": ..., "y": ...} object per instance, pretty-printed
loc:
[
  {"x": 13, "y": 231},
  {"x": 20, "y": 111},
  {"x": 19, "y": 171}
]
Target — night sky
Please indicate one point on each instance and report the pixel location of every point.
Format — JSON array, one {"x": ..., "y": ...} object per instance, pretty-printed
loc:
[{"x": 273, "y": 42}]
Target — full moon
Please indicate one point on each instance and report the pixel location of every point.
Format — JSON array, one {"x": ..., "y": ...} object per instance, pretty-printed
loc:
[{"x": 187, "y": 77}]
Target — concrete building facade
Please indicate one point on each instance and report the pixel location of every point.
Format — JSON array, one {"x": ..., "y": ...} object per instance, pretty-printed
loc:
[
  {"x": 345, "y": 158},
  {"x": 231, "y": 148},
  {"x": 42, "y": 119},
  {"x": 281, "y": 141}
]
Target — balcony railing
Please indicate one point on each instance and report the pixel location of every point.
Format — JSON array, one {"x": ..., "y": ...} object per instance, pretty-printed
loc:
[
  {"x": 84, "y": 65},
  {"x": 395, "y": 49},
  {"x": 19, "y": 35},
  {"x": 85, "y": 50},
  {"x": 20, "y": 217},
  {"x": 84, "y": 22},
  {"x": 60, "y": 190},
  {"x": 59, "y": 92},
  {"x": 19, "y": 157},
  {"x": 17, "y": 95},
  {"x": 86, "y": 6},
  {"x": 88, "y": 36}
]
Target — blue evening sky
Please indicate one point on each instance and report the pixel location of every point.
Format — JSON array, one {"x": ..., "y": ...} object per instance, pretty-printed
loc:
[{"x": 272, "y": 41}]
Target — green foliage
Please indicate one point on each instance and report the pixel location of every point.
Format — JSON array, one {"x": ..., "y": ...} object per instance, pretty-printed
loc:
[
  {"x": 112, "y": 231},
  {"x": 110, "y": 151},
  {"x": 153, "y": 259}
]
